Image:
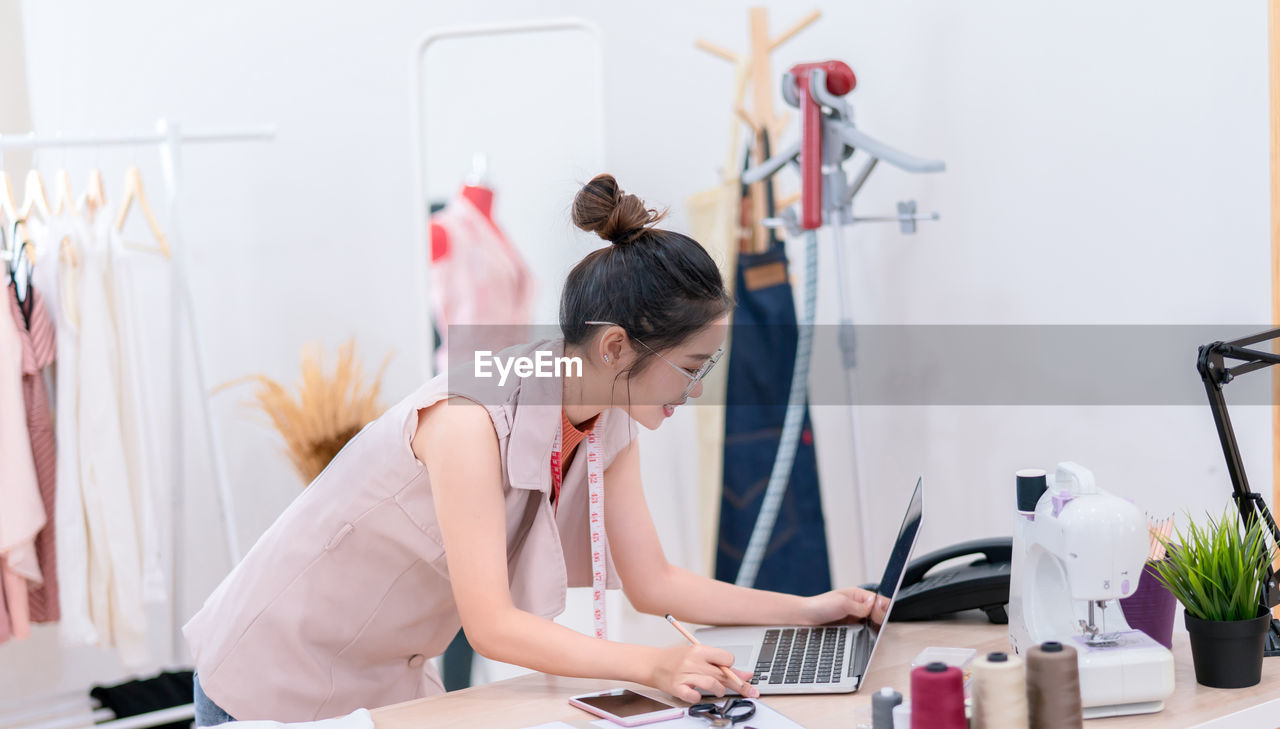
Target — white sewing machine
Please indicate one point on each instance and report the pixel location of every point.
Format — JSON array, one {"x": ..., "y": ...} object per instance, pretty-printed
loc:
[{"x": 1073, "y": 557}]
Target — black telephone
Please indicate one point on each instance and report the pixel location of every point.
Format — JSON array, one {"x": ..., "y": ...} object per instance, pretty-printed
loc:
[{"x": 982, "y": 584}]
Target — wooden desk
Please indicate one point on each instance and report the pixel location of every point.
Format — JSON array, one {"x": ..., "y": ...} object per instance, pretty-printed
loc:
[{"x": 537, "y": 698}]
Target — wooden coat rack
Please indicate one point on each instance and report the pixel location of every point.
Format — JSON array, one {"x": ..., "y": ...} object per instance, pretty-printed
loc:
[{"x": 755, "y": 70}]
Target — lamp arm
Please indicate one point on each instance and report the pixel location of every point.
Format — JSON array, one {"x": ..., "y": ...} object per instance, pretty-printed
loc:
[{"x": 1211, "y": 363}]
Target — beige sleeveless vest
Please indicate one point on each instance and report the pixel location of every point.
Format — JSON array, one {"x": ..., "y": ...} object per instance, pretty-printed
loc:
[{"x": 344, "y": 598}]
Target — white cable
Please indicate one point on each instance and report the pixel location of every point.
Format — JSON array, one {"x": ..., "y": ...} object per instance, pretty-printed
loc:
[
  {"x": 792, "y": 424},
  {"x": 847, "y": 344}
]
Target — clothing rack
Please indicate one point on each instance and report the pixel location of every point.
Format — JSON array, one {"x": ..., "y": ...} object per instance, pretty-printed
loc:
[
  {"x": 170, "y": 139},
  {"x": 75, "y": 710}
]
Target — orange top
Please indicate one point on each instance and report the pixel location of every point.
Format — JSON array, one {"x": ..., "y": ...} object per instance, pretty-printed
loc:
[{"x": 570, "y": 437}]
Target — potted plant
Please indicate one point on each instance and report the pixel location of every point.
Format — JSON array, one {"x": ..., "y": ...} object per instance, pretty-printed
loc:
[{"x": 1217, "y": 572}]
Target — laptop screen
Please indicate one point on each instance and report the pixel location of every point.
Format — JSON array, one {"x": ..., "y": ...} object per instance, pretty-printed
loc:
[
  {"x": 902, "y": 546},
  {"x": 894, "y": 569}
]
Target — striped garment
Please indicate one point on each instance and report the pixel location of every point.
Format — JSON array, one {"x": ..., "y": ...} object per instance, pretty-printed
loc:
[{"x": 38, "y": 352}]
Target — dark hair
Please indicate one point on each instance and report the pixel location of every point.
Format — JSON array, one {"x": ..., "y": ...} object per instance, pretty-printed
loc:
[{"x": 658, "y": 285}]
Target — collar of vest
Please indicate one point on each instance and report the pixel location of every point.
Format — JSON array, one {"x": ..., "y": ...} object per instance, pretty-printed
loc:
[{"x": 538, "y": 404}]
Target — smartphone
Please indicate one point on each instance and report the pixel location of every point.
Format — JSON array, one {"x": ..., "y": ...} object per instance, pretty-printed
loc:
[{"x": 626, "y": 707}]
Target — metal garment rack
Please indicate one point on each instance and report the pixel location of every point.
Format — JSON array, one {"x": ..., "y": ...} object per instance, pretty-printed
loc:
[{"x": 170, "y": 139}]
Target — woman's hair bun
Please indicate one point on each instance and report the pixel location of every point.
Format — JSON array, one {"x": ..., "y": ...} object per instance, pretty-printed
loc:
[{"x": 618, "y": 217}]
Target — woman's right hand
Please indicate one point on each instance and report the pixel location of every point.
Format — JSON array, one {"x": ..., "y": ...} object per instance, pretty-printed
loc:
[{"x": 684, "y": 671}]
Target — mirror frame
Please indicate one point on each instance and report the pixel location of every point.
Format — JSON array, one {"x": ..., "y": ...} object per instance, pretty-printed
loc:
[{"x": 420, "y": 245}]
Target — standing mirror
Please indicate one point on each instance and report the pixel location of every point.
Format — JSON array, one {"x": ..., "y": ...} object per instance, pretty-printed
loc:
[{"x": 516, "y": 110}]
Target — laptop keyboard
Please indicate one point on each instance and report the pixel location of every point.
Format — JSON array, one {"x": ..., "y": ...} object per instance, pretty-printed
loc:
[{"x": 801, "y": 656}]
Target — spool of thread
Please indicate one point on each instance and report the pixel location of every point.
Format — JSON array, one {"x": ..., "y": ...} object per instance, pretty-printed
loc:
[
  {"x": 1032, "y": 483},
  {"x": 902, "y": 715},
  {"x": 882, "y": 703},
  {"x": 1053, "y": 687},
  {"x": 999, "y": 692},
  {"x": 937, "y": 697}
]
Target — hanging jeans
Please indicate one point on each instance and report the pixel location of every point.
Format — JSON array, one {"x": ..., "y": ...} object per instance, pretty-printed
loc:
[{"x": 760, "y": 368}]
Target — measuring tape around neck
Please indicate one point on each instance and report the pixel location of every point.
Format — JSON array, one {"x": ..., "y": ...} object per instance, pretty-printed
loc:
[{"x": 595, "y": 515}]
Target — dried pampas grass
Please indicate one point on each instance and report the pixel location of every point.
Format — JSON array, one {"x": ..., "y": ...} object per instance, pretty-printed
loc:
[{"x": 327, "y": 411}]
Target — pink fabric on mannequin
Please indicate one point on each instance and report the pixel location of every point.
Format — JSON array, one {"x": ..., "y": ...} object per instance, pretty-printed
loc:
[{"x": 481, "y": 281}]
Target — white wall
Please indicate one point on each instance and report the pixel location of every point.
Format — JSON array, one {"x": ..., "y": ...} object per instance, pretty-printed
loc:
[
  {"x": 15, "y": 113},
  {"x": 1106, "y": 164}
]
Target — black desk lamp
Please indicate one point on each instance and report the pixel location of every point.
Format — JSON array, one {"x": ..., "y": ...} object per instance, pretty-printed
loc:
[{"x": 1215, "y": 373}]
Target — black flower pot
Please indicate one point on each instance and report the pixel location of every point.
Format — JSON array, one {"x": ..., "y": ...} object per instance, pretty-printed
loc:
[{"x": 1228, "y": 654}]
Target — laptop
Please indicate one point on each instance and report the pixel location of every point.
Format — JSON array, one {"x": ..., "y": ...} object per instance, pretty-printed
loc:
[{"x": 795, "y": 659}]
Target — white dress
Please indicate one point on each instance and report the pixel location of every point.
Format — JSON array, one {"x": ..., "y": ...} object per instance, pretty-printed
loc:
[
  {"x": 115, "y": 551},
  {"x": 58, "y": 279},
  {"x": 137, "y": 427}
]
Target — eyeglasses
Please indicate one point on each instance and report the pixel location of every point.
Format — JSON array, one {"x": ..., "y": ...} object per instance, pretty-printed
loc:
[
  {"x": 695, "y": 376},
  {"x": 733, "y": 711}
]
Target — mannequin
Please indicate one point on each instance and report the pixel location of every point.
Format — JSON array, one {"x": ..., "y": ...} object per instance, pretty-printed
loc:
[
  {"x": 482, "y": 198},
  {"x": 479, "y": 280}
]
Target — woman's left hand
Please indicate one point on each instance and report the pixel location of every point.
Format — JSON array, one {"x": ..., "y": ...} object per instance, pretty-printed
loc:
[{"x": 843, "y": 606}]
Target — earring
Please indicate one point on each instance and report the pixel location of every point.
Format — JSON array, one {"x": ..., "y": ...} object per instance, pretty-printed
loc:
[{"x": 606, "y": 359}]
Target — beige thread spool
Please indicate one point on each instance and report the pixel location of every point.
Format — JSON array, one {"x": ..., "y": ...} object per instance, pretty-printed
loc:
[
  {"x": 1053, "y": 687},
  {"x": 999, "y": 692}
]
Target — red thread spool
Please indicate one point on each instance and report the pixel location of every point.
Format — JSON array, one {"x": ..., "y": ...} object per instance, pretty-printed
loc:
[{"x": 937, "y": 697}]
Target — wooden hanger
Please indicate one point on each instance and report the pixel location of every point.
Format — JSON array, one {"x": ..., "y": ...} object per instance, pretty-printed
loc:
[
  {"x": 34, "y": 197},
  {"x": 8, "y": 214},
  {"x": 7, "y": 205},
  {"x": 65, "y": 204},
  {"x": 133, "y": 191},
  {"x": 10, "y": 210},
  {"x": 66, "y": 199},
  {"x": 95, "y": 197},
  {"x": 67, "y": 251},
  {"x": 70, "y": 298}
]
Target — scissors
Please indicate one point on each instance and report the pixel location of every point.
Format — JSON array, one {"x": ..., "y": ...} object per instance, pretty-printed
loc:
[{"x": 732, "y": 712}]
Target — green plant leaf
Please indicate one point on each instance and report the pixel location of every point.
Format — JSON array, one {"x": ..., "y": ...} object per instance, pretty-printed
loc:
[{"x": 1216, "y": 570}]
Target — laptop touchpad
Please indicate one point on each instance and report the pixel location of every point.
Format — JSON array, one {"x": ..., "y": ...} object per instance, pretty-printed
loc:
[{"x": 741, "y": 655}]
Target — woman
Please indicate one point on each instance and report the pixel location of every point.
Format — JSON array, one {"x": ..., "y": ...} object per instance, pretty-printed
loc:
[{"x": 465, "y": 505}]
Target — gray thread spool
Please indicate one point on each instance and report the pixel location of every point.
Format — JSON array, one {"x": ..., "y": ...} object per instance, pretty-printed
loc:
[{"x": 882, "y": 703}]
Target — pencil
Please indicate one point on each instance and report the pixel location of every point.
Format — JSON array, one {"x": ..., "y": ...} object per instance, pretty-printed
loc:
[{"x": 738, "y": 684}]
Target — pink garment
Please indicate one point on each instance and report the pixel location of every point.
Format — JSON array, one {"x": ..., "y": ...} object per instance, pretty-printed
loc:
[
  {"x": 481, "y": 280},
  {"x": 38, "y": 352},
  {"x": 343, "y": 600},
  {"x": 5, "y": 631},
  {"x": 22, "y": 514}
]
